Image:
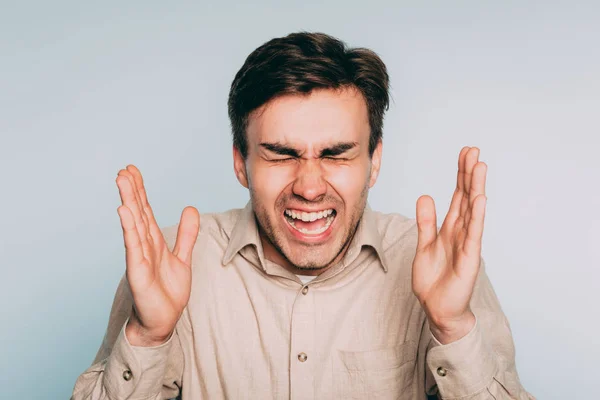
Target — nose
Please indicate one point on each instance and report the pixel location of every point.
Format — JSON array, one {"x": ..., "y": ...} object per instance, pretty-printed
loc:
[{"x": 309, "y": 182}]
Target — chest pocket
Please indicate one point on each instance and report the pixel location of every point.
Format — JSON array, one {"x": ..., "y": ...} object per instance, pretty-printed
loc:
[{"x": 376, "y": 374}]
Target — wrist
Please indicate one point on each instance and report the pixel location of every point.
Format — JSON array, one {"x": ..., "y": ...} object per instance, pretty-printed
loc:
[
  {"x": 451, "y": 330},
  {"x": 137, "y": 335}
]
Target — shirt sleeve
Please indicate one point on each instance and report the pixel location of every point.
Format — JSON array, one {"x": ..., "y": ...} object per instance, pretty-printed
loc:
[
  {"x": 481, "y": 365},
  {"x": 121, "y": 370}
]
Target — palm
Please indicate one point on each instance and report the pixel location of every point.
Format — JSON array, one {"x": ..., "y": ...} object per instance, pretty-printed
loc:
[
  {"x": 163, "y": 282},
  {"x": 446, "y": 263},
  {"x": 160, "y": 279}
]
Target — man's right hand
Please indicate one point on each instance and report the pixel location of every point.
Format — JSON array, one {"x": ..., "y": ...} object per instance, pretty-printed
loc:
[{"x": 160, "y": 280}]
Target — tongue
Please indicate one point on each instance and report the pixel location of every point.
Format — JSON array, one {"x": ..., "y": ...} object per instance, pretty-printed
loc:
[{"x": 311, "y": 226}]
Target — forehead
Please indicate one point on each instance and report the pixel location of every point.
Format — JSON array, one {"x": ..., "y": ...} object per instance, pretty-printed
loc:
[{"x": 314, "y": 120}]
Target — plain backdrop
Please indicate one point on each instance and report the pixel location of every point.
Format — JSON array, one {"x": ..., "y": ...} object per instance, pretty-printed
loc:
[{"x": 88, "y": 87}]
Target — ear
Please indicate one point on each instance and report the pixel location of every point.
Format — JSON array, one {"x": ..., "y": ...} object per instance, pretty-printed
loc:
[
  {"x": 375, "y": 164},
  {"x": 239, "y": 167}
]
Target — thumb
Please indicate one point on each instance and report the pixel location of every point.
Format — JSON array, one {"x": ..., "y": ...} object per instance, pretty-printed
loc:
[
  {"x": 426, "y": 222},
  {"x": 187, "y": 233}
]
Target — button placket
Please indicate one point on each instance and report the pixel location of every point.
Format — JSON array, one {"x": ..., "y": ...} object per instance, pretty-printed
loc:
[{"x": 302, "y": 345}]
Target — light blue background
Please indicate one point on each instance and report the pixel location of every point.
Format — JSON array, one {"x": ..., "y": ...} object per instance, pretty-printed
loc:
[{"x": 86, "y": 89}]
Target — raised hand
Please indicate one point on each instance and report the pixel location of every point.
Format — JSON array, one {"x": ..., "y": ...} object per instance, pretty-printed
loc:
[
  {"x": 160, "y": 280},
  {"x": 447, "y": 262}
]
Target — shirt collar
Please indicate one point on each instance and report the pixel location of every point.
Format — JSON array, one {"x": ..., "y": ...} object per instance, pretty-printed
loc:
[
  {"x": 367, "y": 234},
  {"x": 245, "y": 233}
]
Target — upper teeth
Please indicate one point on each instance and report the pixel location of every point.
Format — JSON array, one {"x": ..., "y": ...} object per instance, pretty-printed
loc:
[{"x": 308, "y": 217}]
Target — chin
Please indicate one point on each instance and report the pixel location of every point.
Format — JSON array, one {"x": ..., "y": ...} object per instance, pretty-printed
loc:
[{"x": 301, "y": 258}]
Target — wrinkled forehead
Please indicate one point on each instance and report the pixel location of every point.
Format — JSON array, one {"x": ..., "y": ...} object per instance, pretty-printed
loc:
[{"x": 311, "y": 122}]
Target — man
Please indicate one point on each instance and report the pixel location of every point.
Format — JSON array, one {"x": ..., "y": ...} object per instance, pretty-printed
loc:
[{"x": 306, "y": 293}]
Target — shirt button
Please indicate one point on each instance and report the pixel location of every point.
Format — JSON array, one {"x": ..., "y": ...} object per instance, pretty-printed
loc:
[
  {"x": 302, "y": 357},
  {"x": 441, "y": 371},
  {"x": 305, "y": 290},
  {"x": 127, "y": 375}
]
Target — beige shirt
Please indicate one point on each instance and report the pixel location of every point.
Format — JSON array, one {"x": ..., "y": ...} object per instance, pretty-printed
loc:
[{"x": 252, "y": 330}]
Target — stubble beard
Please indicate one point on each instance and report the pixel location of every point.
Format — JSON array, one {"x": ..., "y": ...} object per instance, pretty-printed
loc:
[{"x": 268, "y": 231}]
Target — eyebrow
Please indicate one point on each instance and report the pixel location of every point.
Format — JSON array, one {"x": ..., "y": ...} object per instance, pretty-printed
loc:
[
  {"x": 335, "y": 150},
  {"x": 280, "y": 149}
]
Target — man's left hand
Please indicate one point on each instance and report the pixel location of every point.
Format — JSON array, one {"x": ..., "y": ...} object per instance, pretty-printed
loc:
[{"x": 447, "y": 262}]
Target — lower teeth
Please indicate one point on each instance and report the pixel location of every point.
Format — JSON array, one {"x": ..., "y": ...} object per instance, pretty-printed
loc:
[{"x": 316, "y": 231}]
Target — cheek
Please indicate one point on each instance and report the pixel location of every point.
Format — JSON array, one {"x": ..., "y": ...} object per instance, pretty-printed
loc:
[
  {"x": 348, "y": 181},
  {"x": 270, "y": 181}
]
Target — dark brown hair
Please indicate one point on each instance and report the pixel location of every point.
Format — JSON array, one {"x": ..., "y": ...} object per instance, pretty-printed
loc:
[{"x": 302, "y": 62}]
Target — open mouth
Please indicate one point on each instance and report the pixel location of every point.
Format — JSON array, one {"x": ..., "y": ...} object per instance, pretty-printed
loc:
[{"x": 310, "y": 223}]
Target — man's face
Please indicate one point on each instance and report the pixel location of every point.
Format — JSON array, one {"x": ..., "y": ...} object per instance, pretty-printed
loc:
[{"x": 308, "y": 169}]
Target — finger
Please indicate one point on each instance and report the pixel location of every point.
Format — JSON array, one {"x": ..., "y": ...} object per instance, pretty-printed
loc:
[
  {"x": 426, "y": 222},
  {"x": 139, "y": 182},
  {"x": 472, "y": 244},
  {"x": 449, "y": 224},
  {"x": 478, "y": 181},
  {"x": 187, "y": 234},
  {"x": 471, "y": 159},
  {"x": 460, "y": 179},
  {"x": 138, "y": 210},
  {"x": 133, "y": 246},
  {"x": 454, "y": 210},
  {"x": 132, "y": 179},
  {"x": 477, "y": 188},
  {"x": 153, "y": 228},
  {"x": 129, "y": 199}
]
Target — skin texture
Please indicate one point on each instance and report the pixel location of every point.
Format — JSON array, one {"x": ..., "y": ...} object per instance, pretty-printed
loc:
[{"x": 308, "y": 153}]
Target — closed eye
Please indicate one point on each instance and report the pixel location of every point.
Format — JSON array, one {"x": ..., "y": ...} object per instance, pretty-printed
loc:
[{"x": 278, "y": 160}]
